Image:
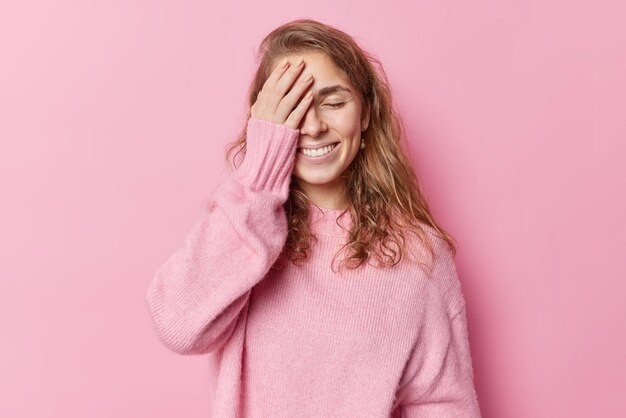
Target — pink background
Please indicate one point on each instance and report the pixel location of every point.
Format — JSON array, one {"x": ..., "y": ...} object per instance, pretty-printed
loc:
[{"x": 113, "y": 120}]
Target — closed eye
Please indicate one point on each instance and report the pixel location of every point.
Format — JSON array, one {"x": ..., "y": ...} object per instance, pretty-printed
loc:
[{"x": 336, "y": 105}]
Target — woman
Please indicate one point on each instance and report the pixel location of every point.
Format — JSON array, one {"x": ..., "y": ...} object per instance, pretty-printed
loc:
[{"x": 320, "y": 173}]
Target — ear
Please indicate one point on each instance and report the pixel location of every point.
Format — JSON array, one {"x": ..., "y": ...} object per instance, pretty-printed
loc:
[{"x": 365, "y": 120}]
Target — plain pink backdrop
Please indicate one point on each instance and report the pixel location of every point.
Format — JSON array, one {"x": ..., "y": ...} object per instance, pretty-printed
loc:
[{"x": 113, "y": 119}]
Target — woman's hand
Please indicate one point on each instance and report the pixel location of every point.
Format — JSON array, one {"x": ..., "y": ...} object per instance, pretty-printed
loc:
[{"x": 280, "y": 100}]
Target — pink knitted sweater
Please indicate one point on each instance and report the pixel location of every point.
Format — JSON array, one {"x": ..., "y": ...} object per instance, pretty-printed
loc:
[{"x": 307, "y": 341}]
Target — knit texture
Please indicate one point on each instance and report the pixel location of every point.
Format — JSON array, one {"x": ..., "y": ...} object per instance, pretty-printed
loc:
[{"x": 309, "y": 341}]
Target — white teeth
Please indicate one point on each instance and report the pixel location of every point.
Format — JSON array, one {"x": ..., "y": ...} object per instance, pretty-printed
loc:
[{"x": 318, "y": 152}]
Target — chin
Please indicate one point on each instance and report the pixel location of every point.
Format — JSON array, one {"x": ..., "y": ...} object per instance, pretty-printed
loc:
[{"x": 318, "y": 180}]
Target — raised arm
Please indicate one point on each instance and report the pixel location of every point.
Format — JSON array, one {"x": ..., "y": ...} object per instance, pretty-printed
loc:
[{"x": 196, "y": 296}]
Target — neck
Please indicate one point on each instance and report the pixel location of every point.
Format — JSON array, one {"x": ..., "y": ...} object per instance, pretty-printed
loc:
[
  {"x": 325, "y": 221},
  {"x": 330, "y": 195}
]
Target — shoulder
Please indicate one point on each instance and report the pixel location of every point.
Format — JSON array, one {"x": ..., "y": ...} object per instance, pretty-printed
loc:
[
  {"x": 439, "y": 268},
  {"x": 427, "y": 247}
]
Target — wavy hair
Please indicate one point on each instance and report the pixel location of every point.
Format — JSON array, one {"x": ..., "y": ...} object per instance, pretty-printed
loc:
[{"x": 384, "y": 196}]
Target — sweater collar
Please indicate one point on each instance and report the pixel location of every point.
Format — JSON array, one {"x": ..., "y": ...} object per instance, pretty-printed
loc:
[{"x": 327, "y": 221}]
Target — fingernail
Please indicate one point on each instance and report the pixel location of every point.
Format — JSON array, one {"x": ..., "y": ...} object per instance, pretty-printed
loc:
[{"x": 300, "y": 61}]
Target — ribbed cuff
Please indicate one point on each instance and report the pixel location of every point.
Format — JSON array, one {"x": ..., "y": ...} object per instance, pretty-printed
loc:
[{"x": 270, "y": 155}]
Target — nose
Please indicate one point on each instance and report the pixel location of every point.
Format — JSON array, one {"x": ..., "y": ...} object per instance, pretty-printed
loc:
[{"x": 311, "y": 123}]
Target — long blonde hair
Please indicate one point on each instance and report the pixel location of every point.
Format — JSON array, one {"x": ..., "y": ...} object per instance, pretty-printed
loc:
[{"x": 384, "y": 196}]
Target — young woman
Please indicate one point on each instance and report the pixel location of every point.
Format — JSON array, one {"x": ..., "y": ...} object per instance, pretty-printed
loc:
[{"x": 320, "y": 175}]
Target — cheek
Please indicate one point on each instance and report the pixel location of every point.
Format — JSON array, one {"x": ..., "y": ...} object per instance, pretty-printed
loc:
[{"x": 346, "y": 122}]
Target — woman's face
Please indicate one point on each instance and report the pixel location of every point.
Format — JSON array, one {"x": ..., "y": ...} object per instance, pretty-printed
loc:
[{"x": 333, "y": 118}]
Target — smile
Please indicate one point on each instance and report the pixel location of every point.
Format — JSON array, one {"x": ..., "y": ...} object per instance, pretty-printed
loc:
[{"x": 318, "y": 152}]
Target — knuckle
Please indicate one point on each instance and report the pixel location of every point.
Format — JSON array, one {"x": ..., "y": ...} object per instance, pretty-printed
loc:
[{"x": 277, "y": 89}]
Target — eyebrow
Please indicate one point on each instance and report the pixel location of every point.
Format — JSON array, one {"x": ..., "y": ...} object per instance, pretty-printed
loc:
[{"x": 325, "y": 91}]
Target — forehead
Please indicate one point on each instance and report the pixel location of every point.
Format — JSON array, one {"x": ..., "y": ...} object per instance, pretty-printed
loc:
[{"x": 318, "y": 64}]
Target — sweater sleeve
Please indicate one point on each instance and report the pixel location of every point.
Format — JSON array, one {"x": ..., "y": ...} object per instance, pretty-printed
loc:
[
  {"x": 449, "y": 390},
  {"x": 438, "y": 381},
  {"x": 196, "y": 296}
]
